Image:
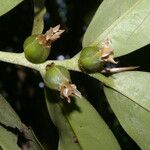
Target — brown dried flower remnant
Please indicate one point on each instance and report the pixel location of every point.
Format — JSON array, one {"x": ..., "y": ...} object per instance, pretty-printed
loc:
[
  {"x": 107, "y": 55},
  {"x": 107, "y": 52},
  {"x": 67, "y": 90},
  {"x": 50, "y": 36}
]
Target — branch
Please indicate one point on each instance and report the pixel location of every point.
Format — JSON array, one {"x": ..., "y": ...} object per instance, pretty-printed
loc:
[
  {"x": 71, "y": 64},
  {"x": 19, "y": 59},
  {"x": 16, "y": 58}
]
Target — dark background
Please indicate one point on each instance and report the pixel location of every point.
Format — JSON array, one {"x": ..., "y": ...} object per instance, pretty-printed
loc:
[{"x": 23, "y": 87}]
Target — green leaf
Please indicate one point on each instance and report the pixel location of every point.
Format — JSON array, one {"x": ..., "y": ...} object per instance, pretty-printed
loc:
[
  {"x": 134, "y": 85},
  {"x": 8, "y": 117},
  {"x": 79, "y": 123},
  {"x": 134, "y": 119},
  {"x": 66, "y": 135},
  {"x": 39, "y": 12},
  {"x": 126, "y": 23},
  {"x": 11, "y": 125},
  {"x": 129, "y": 97},
  {"x": 7, "y": 5},
  {"x": 8, "y": 140}
]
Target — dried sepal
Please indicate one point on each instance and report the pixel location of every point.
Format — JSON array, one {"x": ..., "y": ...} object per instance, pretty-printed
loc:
[
  {"x": 50, "y": 36},
  {"x": 41, "y": 39},
  {"x": 53, "y": 33},
  {"x": 109, "y": 58},
  {"x": 67, "y": 90},
  {"x": 107, "y": 52}
]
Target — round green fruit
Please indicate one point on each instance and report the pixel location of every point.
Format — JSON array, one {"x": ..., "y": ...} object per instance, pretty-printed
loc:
[
  {"x": 58, "y": 78},
  {"x": 34, "y": 51},
  {"x": 55, "y": 76},
  {"x": 90, "y": 60}
]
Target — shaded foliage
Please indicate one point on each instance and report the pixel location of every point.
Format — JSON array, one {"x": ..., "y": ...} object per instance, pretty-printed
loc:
[{"x": 24, "y": 88}]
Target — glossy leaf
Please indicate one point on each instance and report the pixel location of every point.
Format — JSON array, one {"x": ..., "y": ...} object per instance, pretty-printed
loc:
[
  {"x": 39, "y": 12},
  {"x": 11, "y": 126},
  {"x": 125, "y": 23},
  {"x": 80, "y": 123},
  {"x": 7, "y": 5},
  {"x": 134, "y": 119},
  {"x": 8, "y": 140}
]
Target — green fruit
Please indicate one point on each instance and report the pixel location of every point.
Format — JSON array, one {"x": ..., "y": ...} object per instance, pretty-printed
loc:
[
  {"x": 55, "y": 76},
  {"x": 58, "y": 78},
  {"x": 90, "y": 60},
  {"x": 34, "y": 51}
]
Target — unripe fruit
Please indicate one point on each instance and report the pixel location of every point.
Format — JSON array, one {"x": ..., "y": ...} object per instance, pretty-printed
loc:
[
  {"x": 37, "y": 47},
  {"x": 55, "y": 76},
  {"x": 58, "y": 78},
  {"x": 94, "y": 59},
  {"x": 34, "y": 51},
  {"x": 90, "y": 59}
]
